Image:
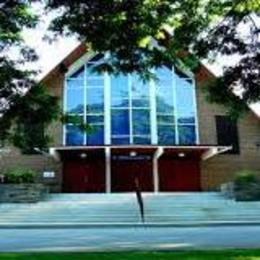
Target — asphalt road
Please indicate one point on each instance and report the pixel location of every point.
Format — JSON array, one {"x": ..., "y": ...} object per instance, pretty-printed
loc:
[{"x": 113, "y": 239}]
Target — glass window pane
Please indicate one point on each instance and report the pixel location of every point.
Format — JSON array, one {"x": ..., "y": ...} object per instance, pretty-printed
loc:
[
  {"x": 75, "y": 83},
  {"x": 95, "y": 100},
  {"x": 121, "y": 140},
  {"x": 120, "y": 122},
  {"x": 119, "y": 87},
  {"x": 164, "y": 91},
  {"x": 141, "y": 122},
  {"x": 96, "y": 137},
  {"x": 75, "y": 101},
  {"x": 74, "y": 136},
  {"x": 95, "y": 119},
  {"x": 91, "y": 70},
  {"x": 140, "y": 103},
  {"x": 166, "y": 135},
  {"x": 185, "y": 101},
  {"x": 95, "y": 82},
  {"x": 164, "y": 102},
  {"x": 142, "y": 140},
  {"x": 187, "y": 135},
  {"x": 163, "y": 119},
  {"x": 118, "y": 102},
  {"x": 140, "y": 89},
  {"x": 163, "y": 73}
]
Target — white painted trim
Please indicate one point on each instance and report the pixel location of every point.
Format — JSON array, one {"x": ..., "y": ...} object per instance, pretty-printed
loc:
[
  {"x": 85, "y": 102},
  {"x": 64, "y": 102},
  {"x": 108, "y": 169},
  {"x": 156, "y": 180},
  {"x": 62, "y": 148},
  {"x": 214, "y": 151},
  {"x": 53, "y": 153},
  {"x": 196, "y": 111},
  {"x": 175, "y": 110},
  {"x": 130, "y": 108},
  {"x": 107, "y": 109},
  {"x": 153, "y": 113},
  {"x": 210, "y": 153},
  {"x": 79, "y": 63}
]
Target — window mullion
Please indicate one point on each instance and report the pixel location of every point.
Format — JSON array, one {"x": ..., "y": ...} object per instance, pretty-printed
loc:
[
  {"x": 175, "y": 112},
  {"x": 153, "y": 111},
  {"x": 107, "y": 108},
  {"x": 130, "y": 109},
  {"x": 65, "y": 95},
  {"x": 85, "y": 102},
  {"x": 195, "y": 111}
]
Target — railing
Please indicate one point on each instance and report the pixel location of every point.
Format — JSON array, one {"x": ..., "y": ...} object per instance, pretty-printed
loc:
[{"x": 140, "y": 200}]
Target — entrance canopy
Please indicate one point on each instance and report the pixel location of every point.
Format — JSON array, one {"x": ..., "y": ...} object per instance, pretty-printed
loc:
[
  {"x": 200, "y": 152},
  {"x": 116, "y": 168}
]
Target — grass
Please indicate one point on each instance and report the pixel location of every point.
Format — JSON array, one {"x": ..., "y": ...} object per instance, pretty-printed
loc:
[{"x": 188, "y": 255}]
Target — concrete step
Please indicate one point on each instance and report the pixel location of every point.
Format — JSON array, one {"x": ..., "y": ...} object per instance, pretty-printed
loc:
[{"x": 114, "y": 208}]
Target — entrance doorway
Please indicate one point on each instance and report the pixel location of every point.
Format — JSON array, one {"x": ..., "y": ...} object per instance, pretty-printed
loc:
[
  {"x": 179, "y": 175},
  {"x": 124, "y": 172},
  {"x": 84, "y": 176}
]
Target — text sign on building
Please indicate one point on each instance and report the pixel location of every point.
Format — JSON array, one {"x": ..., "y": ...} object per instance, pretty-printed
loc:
[
  {"x": 48, "y": 174},
  {"x": 132, "y": 158}
]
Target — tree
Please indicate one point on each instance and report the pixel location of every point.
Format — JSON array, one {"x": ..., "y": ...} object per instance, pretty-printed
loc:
[
  {"x": 143, "y": 34},
  {"x": 25, "y": 107}
]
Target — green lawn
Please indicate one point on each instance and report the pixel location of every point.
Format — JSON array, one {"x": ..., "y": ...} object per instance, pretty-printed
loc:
[{"x": 190, "y": 255}]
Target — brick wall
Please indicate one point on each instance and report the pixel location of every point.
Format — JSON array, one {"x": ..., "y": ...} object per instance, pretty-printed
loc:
[
  {"x": 214, "y": 171},
  {"x": 222, "y": 168}
]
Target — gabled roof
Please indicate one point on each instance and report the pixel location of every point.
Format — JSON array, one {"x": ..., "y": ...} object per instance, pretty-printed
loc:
[
  {"x": 82, "y": 48},
  {"x": 73, "y": 56},
  {"x": 203, "y": 73}
]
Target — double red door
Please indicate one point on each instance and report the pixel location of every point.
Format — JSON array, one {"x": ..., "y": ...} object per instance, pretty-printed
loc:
[
  {"x": 83, "y": 176},
  {"x": 179, "y": 175},
  {"x": 124, "y": 173}
]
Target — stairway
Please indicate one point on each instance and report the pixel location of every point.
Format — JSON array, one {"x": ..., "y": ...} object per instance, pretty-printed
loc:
[{"x": 122, "y": 209}]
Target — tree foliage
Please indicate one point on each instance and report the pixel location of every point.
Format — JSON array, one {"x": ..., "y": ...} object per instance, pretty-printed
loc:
[
  {"x": 143, "y": 34},
  {"x": 24, "y": 105}
]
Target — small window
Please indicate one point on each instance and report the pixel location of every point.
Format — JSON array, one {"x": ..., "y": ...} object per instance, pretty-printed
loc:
[{"x": 227, "y": 133}]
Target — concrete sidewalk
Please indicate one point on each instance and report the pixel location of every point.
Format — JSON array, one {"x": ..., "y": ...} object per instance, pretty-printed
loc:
[{"x": 99, "y": 239}]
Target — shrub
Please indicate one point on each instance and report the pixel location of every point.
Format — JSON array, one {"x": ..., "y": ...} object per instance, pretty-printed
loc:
[
  {"x": 20, "y": 175},
  {"x": 245, "y": 177}
]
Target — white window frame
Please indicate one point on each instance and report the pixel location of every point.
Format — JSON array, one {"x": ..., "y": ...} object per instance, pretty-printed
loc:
[{"x": 107, "y": 112}]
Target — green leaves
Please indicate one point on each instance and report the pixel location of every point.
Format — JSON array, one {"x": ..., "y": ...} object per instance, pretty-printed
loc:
[
  {"x": 20, "y": 175},
  {"x": 27, "y": 118},
  {"x": 76, "y": 120},
  {"x": 26, "y": 108},
  {"x": 143, "y": 34}
]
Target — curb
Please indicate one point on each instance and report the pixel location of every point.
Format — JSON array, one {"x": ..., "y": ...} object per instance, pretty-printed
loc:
[{"x": 127, "y": 225}]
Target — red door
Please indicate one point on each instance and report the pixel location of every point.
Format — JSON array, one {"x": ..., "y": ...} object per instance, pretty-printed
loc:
[
  {"x": 179, "y": 175},
  {"x": 83, "y": 176},
  {"x": 124, "y": 172}
]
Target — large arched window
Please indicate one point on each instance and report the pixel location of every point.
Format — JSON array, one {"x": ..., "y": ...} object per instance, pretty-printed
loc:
[{"x": 161, "y": 111}]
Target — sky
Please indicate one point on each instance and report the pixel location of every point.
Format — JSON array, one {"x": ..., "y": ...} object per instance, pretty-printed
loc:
[{"x": 51, "y": 54}]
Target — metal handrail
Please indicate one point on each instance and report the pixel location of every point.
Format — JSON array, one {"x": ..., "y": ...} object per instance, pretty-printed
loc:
[{"x": 140, "y": 200}]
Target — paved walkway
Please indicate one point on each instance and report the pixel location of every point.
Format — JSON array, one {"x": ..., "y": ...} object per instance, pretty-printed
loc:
[{"x": 100, "y": 239}]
